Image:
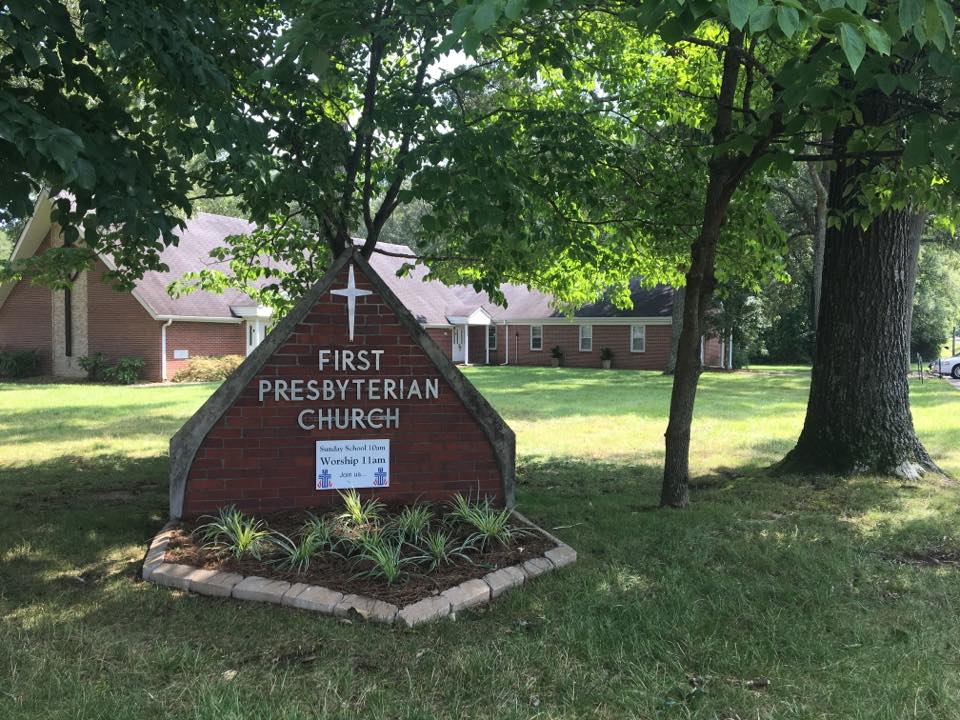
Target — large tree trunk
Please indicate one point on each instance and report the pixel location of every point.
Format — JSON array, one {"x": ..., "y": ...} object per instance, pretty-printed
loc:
[
  {"x": 858, "y": 414},
  {"x": 676, "y": 325}
]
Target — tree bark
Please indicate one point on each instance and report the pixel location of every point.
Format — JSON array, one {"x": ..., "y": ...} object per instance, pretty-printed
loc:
[
  {"x": 858, "y": 413},
  {"x": 913, "y": 267},
  {"x": 676, "y": 324},
  {"x": 819, "y": 180}
]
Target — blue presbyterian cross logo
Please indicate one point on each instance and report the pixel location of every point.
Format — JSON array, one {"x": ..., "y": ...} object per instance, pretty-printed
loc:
[
  {"x": 324, "y": 480},
  {"x": 380, "y": 478}
]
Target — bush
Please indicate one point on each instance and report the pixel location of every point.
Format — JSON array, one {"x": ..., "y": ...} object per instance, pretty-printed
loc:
[
  {"x": 203, "y": 368},
  {"x": 126, "y": 371},
  {"x": 96, "y": 366},
  {"x": 19, "y": 363}
]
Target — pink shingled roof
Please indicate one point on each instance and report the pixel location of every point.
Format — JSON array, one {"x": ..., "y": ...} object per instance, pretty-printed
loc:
[
  {"x": 202, "y": 234},
  {"x": 431, "y": 302}
]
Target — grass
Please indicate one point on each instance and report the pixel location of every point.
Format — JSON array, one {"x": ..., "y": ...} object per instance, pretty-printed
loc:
[{"x": 794, "y": 580}]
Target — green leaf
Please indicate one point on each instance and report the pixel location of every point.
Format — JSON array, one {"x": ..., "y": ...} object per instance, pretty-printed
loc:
[
  {"x": 321, "y": 63},
  {"x": 672, "y": 31},
  {"x": 514, "y": 9},
  {"x": 853, "y": 44},
  {"x": 783, "y": 161},
  {"x": 917, "y": 151},
  {"x": 762, "y": 18},
  {"x": 887, "y": 83},
  {"x": 947, "y": 15},
  {"x": 788, "y": 19},
  {"x": 858, "y": 6},
  {"x": 458, "y": 25},
  {"x": 910, "y": 12},
  {"x": 934, "y": 25},
  {"x": 486, "y": 15},
  {"x": 876, "y": 37},
  {"x": 942, "y": 63},
  {"x": 740, "y": 11},
  {"x": 842, "y": 15}
]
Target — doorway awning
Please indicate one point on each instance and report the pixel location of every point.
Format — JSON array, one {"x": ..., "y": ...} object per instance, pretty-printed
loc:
[{"x": 479, "y": 316}]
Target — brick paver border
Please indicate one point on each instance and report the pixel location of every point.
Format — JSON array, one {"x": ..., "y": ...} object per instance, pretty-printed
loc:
[{"x": 315, "y": 598}]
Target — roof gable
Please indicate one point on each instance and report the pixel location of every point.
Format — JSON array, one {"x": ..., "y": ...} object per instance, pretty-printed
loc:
[{"x": 31, "y": 237}]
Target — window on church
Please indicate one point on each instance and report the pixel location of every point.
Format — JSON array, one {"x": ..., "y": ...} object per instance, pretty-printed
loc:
[
  {"x": 586, "y": 338},
  {"x": 536, "y": 337}
]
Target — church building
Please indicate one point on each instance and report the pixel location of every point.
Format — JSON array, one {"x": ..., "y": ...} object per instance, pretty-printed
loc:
[{"x": 65, "y": 325}]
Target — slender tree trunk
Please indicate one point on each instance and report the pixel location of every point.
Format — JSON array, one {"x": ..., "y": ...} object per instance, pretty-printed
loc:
[
  {"x": 676, "y": 324},
  {"x": 858, "y": 414},
  {"x": 724, "y": 174}
]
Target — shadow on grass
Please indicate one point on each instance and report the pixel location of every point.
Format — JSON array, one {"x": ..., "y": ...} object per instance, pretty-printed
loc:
[
  {"x": 759, "y": 577},
  {"x": 50, "y": 425},
  {"x": 68, "y": 483}
]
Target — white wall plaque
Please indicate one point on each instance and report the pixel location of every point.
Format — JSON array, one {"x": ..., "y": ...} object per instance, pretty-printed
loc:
[
  {"x": 181, "y": 354},
  {"x": 345, "y": 464}
]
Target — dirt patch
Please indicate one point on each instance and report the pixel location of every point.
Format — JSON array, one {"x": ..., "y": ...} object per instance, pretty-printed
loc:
[
  {"x": 937, "y": 557},
  {"x": 340, "y": 574}
]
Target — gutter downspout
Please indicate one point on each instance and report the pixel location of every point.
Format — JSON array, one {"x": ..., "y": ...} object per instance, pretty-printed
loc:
[{"x": 163, "y": 349}]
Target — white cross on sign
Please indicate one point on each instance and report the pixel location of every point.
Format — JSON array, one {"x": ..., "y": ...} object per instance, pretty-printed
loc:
[{"x": 351, "y": 293}]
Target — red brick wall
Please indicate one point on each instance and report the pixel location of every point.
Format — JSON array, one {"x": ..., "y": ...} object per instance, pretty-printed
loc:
[
  {"x": 497, "y": 354},
  {"x": 25, "y": 320},
  {"x": 478, "y": 344},
  {"x": 119, "y": 326},
  {"x": 712, "y": 350},
  {"x": 615, "y": 337},
  {"x": 258, "y": 457},
  {"x": 203, "y": 338},
  {"x": 442, "y": 337}
]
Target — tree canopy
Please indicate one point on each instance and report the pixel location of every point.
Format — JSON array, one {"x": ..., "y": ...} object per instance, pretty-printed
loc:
[{"x": 101, "y": 102}]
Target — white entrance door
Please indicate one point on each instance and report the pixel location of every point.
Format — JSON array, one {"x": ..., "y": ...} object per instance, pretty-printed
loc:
[
  {"x": 458, "y": 343},
  {"x": 256, "y": 331}
]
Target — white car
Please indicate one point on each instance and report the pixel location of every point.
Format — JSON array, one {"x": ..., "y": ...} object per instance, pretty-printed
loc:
[{"x": 947, "y": 366}]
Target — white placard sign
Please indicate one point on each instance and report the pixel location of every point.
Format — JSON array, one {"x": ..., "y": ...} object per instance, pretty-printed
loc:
[{"x": 343, "y": 464}]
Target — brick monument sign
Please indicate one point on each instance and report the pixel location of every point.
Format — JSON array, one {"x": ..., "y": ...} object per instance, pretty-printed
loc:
[{"x": 347, "y": 391}]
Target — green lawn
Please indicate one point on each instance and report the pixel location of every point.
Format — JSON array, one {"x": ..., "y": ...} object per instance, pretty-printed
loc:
[{"x": 794, "y": 580}]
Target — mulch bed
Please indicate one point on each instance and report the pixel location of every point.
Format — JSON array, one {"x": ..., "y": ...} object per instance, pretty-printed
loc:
[{"x": 340, "y": 573}]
